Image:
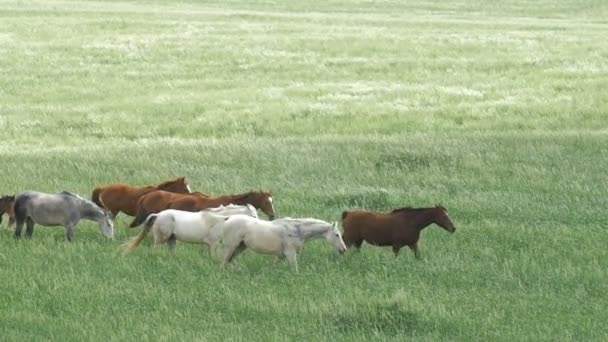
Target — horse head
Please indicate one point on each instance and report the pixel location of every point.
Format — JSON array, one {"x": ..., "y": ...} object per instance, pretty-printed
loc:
[
  {"x": 334, "y": 237},
  {"x": 179, "y": 185},
  {"x": 263, "y": 201},
  {"x": 442, "y": 218},
  {"x": 106, "y": 224}
]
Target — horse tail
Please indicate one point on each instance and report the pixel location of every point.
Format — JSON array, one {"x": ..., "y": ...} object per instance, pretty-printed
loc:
[
  {"x": 95, "y": 197},
  {"x": 140, "y": 217},
  {"x": 344, "y": 214},
  {"x": 19, "y": 209},
  {"x": 136, "y": 241}
]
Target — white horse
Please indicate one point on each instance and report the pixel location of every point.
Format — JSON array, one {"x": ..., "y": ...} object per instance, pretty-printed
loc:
[
  {"x": 283, "y": 238},
  {"x": 171, "y": 225}
]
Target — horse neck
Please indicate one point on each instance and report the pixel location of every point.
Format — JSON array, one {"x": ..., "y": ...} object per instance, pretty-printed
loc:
[
  {"x": 423, "y": 219},
  {"x": 90, "y": 213},
  {"x": 232, "y": 199},
  {"x": 310, "y": 231}
]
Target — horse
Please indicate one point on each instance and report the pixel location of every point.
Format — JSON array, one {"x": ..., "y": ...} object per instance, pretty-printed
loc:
[
  {"x": 6, "y": 206},
  {"x": 283, "y": 237},
  {"x": 194, "y": 227},
  {"x": 123, "y": 198},
  {"x": 61, "y": 209},
  {"x": 156, "y": 202},
  {"x": 401, "y": 227}
]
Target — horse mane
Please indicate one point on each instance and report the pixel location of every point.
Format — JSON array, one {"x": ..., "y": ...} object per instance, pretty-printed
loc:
[
  {"x": 408, "y": 210},
  {"x": 251, "y": 193},
  {"x": 169, "y": 182},
  {"x": 7, "y": 197},
  {"x": 70, "y": 194}
]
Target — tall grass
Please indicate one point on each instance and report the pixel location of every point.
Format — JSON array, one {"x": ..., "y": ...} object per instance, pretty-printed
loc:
[{"x": 495, "y": 110}]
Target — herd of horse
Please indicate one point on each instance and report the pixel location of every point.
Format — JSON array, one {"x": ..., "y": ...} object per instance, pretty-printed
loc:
[{"x": 172, "y": 212}]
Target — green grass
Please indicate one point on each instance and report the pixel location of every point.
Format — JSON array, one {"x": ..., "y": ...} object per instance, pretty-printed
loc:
[{"x": 496, "y": 110}]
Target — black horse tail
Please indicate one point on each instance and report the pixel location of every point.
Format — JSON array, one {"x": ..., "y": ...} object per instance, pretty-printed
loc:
[
  {"x": 136, "y": 241},
  {"x": 344, "y": 214},
  {"x": 140, "y": 217},
  {"x": 19, "y": 208},
  {"x": 95, "y": 197},
  {"x": 20, "y": 212}
]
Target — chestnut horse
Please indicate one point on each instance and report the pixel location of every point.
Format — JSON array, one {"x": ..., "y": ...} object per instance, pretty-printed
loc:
[
  {"x": 158, "y": 201},
  {"x": 122, "y": 197},
  {"x": 401, "y": 227},
  {"x": 6, "y": 206}
]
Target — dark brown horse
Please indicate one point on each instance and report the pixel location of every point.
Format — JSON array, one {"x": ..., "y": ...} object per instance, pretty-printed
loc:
[
  {"x": 399, "y": 228},
  {"x": 122, "y": 197},
  {"x": 158, "y": 201},
  {"x": 6, "y": 206}
]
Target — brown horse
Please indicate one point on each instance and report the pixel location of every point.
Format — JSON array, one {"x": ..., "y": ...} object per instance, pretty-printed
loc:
[
  {"x": 399, "y": 228},
  {"x": 6, "y": 206},
  {"x": 123, "y": 197},
  {"x": 158, "y": 201}
]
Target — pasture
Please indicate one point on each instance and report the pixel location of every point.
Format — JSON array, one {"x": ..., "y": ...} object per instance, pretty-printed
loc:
[{"x": 498, "y": 111}]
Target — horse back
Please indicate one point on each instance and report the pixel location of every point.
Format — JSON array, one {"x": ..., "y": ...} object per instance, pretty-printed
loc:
[
  {"x": 191, "y": 202},
  {"x": 120, "y": 197},
  {"x": 376, "y": 228},
  {"x": 45, "y": 209}
]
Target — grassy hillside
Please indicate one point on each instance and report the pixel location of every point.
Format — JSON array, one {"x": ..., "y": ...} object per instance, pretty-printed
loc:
[{"x": 497, "y": 111}]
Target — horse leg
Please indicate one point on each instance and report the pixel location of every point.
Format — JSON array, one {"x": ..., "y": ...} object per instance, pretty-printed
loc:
[
  {"x": 277, "y": 259},
  {"x": 229, "y": 253},
  {"x": 11, "y": 220},
  {"x": 213, "y": 248},
  {"x": 69, "y": 232},
  {"x": 358, "y": 244},
  {"x": 292, "y": 259},
  {"x": 414, "y": 249},
  {"x": 171, "y": 243},
  {"x": 18, "y": 227},
  {"x": 239, "y": 249},
  {"x": 29, "y": 230},
  {"x": 396, "y": 249}
]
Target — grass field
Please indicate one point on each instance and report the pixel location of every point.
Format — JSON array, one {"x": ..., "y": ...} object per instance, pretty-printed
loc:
[{"x": 499, "y": 111}]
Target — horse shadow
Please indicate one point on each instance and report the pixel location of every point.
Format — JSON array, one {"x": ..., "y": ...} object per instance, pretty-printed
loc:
[{"x": 385, "y": 319}]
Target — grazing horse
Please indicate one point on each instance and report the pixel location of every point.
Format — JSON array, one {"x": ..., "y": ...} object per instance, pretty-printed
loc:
[
  {"x": 123, "y": 197},
  {"x": 62, "y": 209},
  {"x": 6, "y": 206},
  {"x": 401, "y": 227},
  {"x": 194, "y": 227},
  {"x": 283, "y": 238},
  {"x": 154, "y": 203}
]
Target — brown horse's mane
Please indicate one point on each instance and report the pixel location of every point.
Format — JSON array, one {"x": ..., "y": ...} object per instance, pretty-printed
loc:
[
  {"x": 164, "y": 184},
  {"x": 408, "y": 209},
  {"x": 250, "y": 193}
]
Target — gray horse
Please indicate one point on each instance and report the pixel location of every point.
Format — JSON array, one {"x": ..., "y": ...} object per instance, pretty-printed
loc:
[{"x": 62, "y": 209}]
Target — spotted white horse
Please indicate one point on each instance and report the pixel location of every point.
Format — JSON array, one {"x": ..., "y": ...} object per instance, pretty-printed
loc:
[{"x": 283, "y": 237}]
